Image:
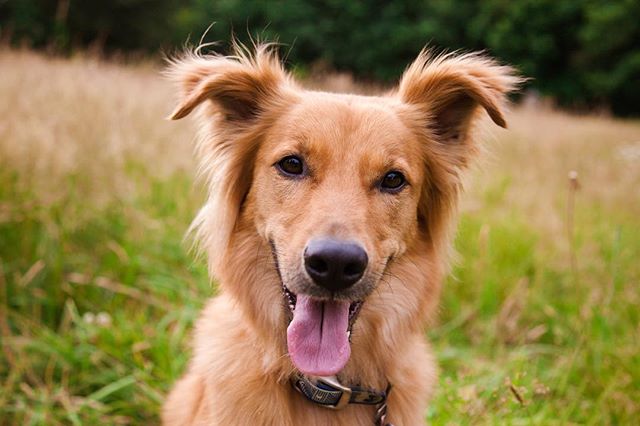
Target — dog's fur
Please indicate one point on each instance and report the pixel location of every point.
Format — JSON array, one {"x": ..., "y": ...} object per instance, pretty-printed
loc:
[{"x": 252, "y": 114}]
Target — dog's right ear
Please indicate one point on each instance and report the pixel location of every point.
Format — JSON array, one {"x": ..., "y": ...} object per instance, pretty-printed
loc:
[
  {"x": 239, "y": 87},
  {"x": 238, "y": 95}
]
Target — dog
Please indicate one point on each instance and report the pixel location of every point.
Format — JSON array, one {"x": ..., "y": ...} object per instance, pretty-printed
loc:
[{"x": 328, "y": 227}]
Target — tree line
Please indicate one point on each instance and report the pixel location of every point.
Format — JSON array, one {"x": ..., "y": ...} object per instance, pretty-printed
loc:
[{"x": 583, "y": 53}]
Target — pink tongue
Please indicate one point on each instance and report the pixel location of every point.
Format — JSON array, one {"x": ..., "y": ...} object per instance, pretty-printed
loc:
[{"x": 317, "y": 337}]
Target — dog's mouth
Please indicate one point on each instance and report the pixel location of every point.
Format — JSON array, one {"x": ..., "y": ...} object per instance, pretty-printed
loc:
[
  {"x": 291, "y": 299},
  {"x": 318, "y": 335}
]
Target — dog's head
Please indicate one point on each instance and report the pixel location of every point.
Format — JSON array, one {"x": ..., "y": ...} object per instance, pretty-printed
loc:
[{"x": 336, "y": 188}]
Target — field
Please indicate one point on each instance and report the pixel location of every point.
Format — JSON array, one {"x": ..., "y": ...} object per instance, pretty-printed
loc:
[{"x": 539, "y": 322}]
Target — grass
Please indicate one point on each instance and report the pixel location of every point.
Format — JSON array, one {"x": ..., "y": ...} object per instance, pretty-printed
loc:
[{"x": 98, "y": 291}]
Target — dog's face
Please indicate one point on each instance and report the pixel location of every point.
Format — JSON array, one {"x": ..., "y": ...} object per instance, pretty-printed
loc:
[
  {"x": 337, "y": 187},
  {"x": 337, "y": 196}
]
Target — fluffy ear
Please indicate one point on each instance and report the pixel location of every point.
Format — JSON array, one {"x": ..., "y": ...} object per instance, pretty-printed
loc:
[
  {"x": 240, "y": 86},
  {"x": 449, "y": 89},
  {"x": 444, "y": 95},
  {"x": 241, "y": 96}
]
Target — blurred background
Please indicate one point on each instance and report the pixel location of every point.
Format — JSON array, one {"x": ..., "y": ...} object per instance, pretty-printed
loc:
[
  {"x": 539, "y": 322},
  {"x": 584, "y": 54}
]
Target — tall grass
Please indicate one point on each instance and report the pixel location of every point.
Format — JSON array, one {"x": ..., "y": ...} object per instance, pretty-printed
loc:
[{"x": 98, "y": 292}]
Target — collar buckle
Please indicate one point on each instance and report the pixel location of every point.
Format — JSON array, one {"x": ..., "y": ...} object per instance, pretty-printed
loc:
[
  {"x": 345, "y": 397},
  {"x": 328, "y": 392}
]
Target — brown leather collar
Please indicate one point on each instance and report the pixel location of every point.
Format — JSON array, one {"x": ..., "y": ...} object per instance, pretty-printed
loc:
[{"x": 328, "y": 392}]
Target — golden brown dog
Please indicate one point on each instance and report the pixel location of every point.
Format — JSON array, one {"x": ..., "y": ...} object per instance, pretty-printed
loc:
[{"x": 328, "y": 228}]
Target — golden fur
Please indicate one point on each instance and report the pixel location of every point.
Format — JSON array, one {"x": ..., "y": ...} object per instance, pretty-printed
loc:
[{"x": 251, "y": 113}]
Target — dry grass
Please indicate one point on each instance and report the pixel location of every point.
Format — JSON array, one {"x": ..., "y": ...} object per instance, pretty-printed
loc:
[
  {"x": 86, "y": 118},
  {"x": 60, "y": 113},
  {"x": 97, "y": 293},
  {"x": 549, "y": 144}
]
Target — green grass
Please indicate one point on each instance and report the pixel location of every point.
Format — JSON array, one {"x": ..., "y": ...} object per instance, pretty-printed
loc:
[
  {"x": 526, "y": 340},
  {"x": 98, "y": 292},
  {"x": 512, "y": 317},
  {"x": 78, "y": 348}
]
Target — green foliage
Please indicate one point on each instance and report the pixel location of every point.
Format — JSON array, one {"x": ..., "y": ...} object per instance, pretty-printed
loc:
[
  {"x": 610, "y": 60},
  {"x": 585, "y": 54},
  {"x": 104, "y": 25}
]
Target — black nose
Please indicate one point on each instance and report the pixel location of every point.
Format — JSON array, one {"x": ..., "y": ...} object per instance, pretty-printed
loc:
[{"x": 333, "y": 264}]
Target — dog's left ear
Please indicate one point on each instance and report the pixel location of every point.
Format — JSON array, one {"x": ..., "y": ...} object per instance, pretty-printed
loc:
[
  {"x": 444, "y": 96},
  {"x": 448, "y": 90}
]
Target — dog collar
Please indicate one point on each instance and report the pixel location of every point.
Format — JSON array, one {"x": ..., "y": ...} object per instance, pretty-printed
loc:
[{"x": 328, "y": 392}]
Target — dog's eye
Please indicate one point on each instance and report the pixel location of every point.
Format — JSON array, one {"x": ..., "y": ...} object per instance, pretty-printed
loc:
[
  {"x": 291, "y": 165},
  {"x": 393, "y": 181}
]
